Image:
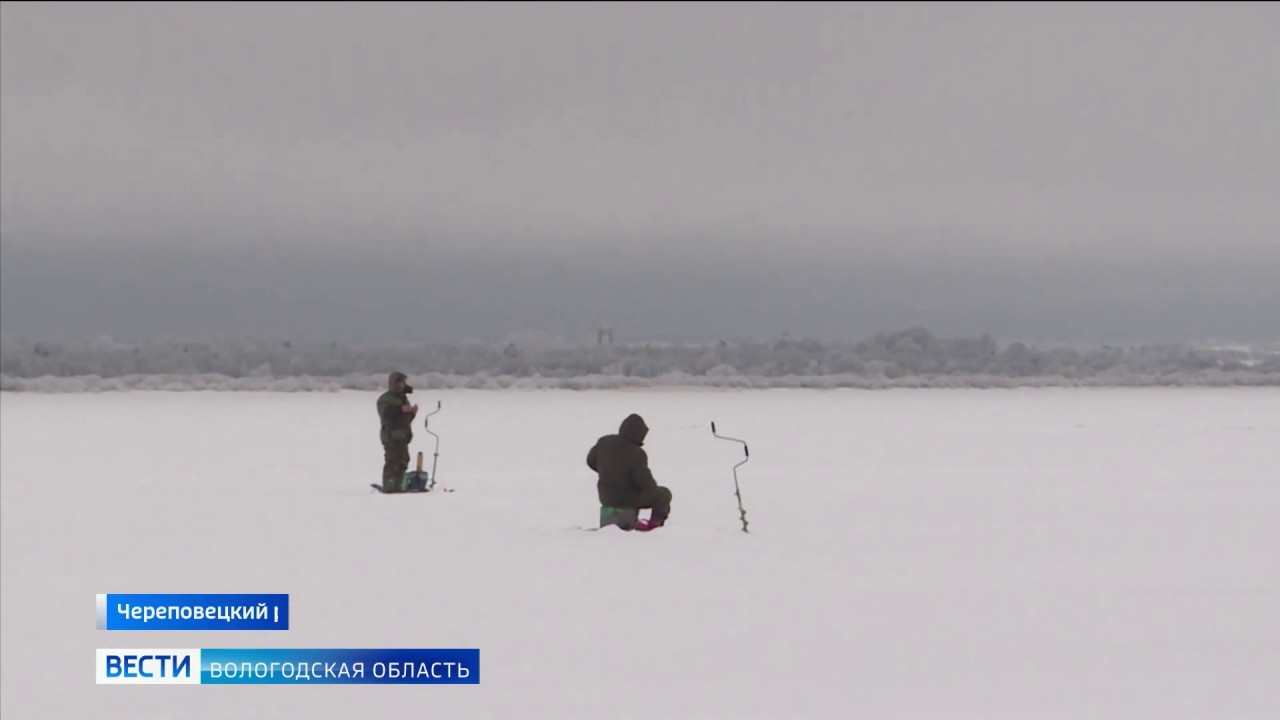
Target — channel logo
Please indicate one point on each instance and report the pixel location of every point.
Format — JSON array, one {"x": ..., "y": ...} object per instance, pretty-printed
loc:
[{"x": 162, "y": 666}]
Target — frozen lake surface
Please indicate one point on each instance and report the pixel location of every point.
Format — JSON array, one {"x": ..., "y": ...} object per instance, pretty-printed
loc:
[{"x": 1048, "y": 553}]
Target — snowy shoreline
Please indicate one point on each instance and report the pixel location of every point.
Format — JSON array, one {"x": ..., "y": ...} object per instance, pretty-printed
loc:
[
  {"x": 212, "y": 382},
  {"x": 912, "y": 358}
]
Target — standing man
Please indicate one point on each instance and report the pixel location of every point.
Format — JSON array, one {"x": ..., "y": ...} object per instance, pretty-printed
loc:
[
  {"x": 396, "y": 415},
  {"x": 625, "y": 485}
]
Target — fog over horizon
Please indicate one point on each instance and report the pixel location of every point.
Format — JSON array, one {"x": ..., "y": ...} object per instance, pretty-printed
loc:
[{"x": 373, "y": 173}]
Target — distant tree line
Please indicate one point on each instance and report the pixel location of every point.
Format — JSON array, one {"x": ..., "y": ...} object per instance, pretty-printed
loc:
[{"x": 912, "y": 357}]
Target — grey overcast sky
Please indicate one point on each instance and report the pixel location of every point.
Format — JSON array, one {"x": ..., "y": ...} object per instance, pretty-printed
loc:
[{"x": 372, "y": 172}]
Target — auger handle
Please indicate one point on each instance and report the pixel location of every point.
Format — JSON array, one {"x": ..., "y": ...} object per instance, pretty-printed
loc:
[
  {"x": 426, "y": 418},
  {"x": 745, "y": 449}
]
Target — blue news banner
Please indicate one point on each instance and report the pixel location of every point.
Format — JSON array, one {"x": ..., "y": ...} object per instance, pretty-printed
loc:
[
  {"x": 257, "y": 666},
  {"x": 288, "y": 666}
]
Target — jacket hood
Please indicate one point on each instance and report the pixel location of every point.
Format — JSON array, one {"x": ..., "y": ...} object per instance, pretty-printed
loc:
[
  {"x": 393, "y": 377},
  {"x": 634, "y": 429}
]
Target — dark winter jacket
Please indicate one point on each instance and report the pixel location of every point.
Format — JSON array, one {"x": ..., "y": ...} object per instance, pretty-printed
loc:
[
  {"x": 622, "y": 466},
  {"x": 396, "y": 423}
]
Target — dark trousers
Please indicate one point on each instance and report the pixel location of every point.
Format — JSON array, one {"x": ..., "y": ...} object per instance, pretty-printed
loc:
[{"x": 395, "y": 463}]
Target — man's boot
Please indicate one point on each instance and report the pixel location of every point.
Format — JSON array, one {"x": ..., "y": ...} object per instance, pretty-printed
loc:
[{"x": 658, "y": 516}]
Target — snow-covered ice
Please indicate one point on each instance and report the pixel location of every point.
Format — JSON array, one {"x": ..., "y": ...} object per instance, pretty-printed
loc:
[{"x": 1048, "y": 553}]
